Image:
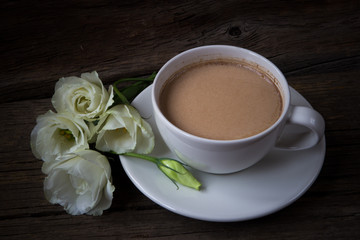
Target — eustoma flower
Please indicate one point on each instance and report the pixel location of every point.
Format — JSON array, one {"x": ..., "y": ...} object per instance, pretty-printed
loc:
[
  {"x": 84, "y": 97},
  {"x": 80, "y": 182},
  {"x": 56, "y": 134},
  {"x": 123, "y": 130},
  {"x": 172, "y": 168},
  {"x": 79, "y": 179},
  {"x": 176, "y": 171}
]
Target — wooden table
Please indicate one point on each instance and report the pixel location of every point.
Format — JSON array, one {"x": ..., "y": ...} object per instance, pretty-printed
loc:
[{"x": 315, "y": 43}]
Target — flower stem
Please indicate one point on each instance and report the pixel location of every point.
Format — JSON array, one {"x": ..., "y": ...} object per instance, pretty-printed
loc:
[
  {"x": 120, "y": 95},
  {"x": 172, "y": 168},
  {"x": 149, "y": 79},
  {"x": 142, "y": 156},
  {"x": 133, "y": 79},
  {"x": 126, "y": 94}
]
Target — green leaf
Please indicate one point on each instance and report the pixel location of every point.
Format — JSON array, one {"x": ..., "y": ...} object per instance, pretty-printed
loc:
[
  {"x": 133, "y": 90},
  {"x": 126, "y": 94}
]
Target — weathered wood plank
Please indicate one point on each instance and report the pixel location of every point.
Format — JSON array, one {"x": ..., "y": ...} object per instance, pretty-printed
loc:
[
  {"x": 315, "y": 43},
  {"x": 43, "y": 45}
]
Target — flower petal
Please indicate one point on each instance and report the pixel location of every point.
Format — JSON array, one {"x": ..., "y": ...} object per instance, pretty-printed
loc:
[
  {"x": 80, "y": 182},
  {"x": 47, "y": 142},
  {"x": 84, "y": 97},
  {"x": 125, "y": 131}
]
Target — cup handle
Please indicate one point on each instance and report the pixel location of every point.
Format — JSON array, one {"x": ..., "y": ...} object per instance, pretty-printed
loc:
[{"x": 304, "y": 129}]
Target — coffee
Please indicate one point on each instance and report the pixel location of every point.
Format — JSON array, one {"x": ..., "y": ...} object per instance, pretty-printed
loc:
[{"x": 221, "y": 99}]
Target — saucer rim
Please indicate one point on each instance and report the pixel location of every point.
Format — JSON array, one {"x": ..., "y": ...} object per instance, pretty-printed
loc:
[{"x": 188, "y": 212}]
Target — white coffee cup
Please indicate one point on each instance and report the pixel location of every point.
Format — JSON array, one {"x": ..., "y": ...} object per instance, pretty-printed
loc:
[{"x": 228, "y": 156}]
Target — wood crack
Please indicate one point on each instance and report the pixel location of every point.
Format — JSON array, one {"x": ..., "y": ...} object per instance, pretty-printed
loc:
[
  {"x": 338, "y": 61},
  {"x": 32, "y": 215}
]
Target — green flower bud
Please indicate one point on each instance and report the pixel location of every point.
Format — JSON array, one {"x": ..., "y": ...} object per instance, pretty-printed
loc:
[
  {"x": 172, "y": 168},
  {"x": 176, "y": 171}
]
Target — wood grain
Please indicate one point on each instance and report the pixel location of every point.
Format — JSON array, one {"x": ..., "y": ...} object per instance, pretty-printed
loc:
[{"x": 315, "y": 43}]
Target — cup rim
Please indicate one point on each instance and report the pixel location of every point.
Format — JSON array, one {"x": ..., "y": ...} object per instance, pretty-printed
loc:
[{"x": 285, "y": 95}]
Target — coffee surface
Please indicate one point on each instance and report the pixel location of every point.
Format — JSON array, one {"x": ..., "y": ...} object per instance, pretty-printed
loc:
[{"x": 221, "y": 100}]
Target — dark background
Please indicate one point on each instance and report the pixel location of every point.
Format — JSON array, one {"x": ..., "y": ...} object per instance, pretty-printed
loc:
[{"x": 314, "y": 43}]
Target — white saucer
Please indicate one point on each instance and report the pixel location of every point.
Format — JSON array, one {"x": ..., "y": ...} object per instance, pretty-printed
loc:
[{"x": 270, "y": 185}]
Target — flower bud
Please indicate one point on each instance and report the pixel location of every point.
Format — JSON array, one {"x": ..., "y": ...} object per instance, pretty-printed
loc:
[{"x": 176, "y": 171}]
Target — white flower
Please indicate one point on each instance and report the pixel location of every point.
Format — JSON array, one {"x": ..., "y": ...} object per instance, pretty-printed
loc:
[
  {"x": 80, "y": 182},
  {"x": 123, "y": 130},
  {"x": 57, "y": 134},
  {"x": 84, "y": 97}
]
